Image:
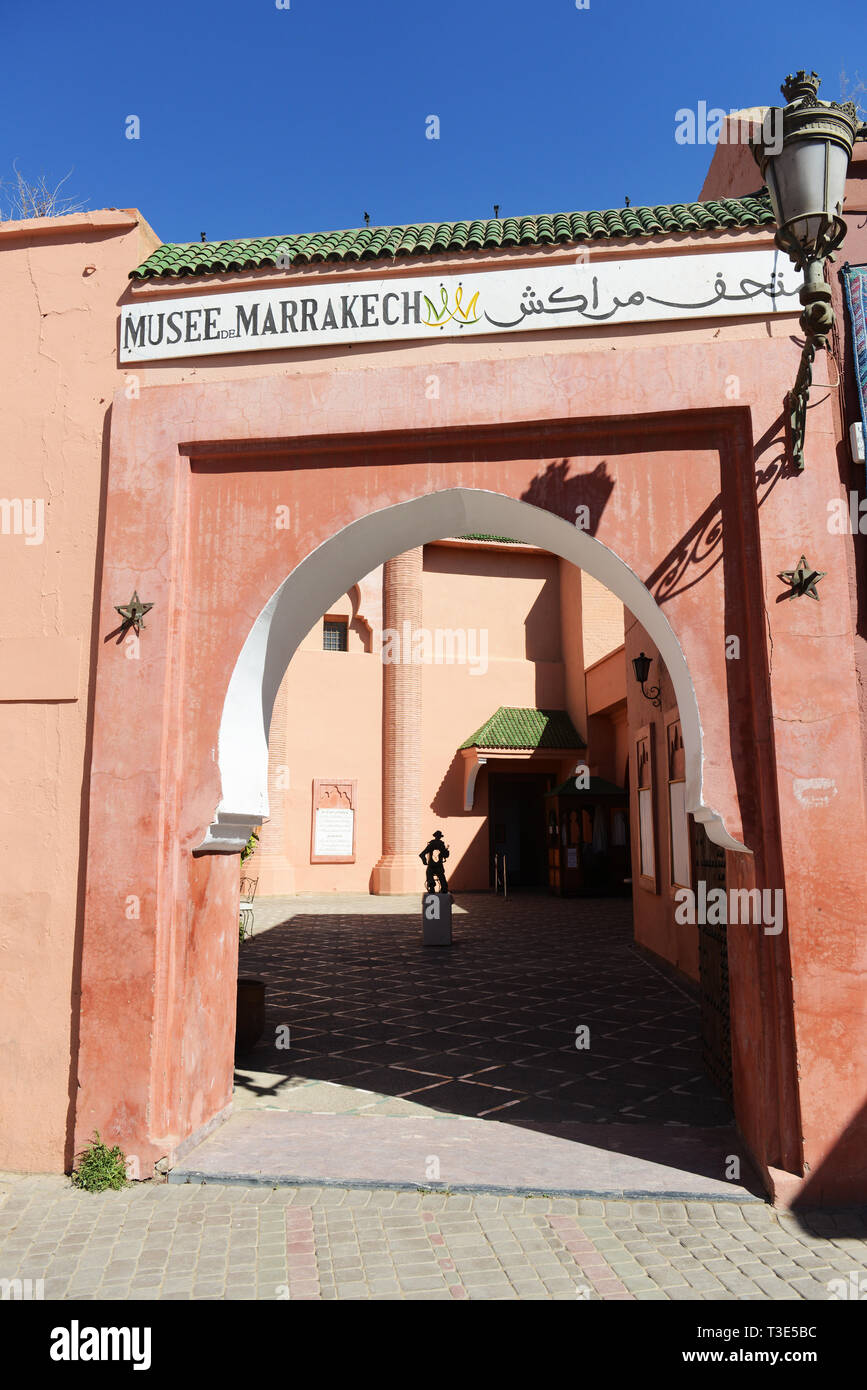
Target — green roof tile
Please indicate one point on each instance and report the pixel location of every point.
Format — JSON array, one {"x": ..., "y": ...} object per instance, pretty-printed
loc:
[
  {"x": 482, "y": 536},
  {"x": 387, "y": 243},
  {"x": 526, "y": 729}
]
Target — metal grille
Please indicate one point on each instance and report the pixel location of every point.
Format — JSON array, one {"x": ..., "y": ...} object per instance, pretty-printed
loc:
[
  {"x": 709, "y": 864},
  {"x": 334, "y": 636}
]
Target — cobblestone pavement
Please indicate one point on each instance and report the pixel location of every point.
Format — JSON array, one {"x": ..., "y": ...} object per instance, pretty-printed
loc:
[{"x": 157, "y": 1241}]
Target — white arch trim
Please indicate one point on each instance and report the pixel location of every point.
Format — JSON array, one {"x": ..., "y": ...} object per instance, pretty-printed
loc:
[{"x": 330, "y": 570}]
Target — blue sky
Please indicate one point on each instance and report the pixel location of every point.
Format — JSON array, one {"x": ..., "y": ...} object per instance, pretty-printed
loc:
[{"x": 257, "y": 120}]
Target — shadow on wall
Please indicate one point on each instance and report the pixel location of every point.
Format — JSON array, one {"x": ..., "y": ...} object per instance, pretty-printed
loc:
[
  {"x": 448, "y": 804},
  {"x": 84, "y": 813},
  {"x": 448, "y": 799},
  {"x": 701, "y": 548},
  {"x": 542, "y": 643},
  {"x": 849, "y": 1221},
  {"x": 698, "y": 551},
  {"x": 359, "y": 625},
  {"x": 555, "y": 491}
]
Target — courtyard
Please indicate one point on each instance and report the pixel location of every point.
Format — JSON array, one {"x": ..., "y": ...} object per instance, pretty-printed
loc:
[
  {"x": 540, "y": 1052},
  {"x": 488, "y": 1026}
]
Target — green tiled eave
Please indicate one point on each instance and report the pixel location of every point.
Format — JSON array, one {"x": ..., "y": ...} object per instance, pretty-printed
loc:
[
  {"x": 525, "y": 730},
  {"x": 439, "y": 238},
  {"x": 478, "y": 536}
]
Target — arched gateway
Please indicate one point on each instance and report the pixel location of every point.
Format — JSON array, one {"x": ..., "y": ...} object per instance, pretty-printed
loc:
[
  {"x": 247, "y": 489},
  {"x": 356, "y": 550}
]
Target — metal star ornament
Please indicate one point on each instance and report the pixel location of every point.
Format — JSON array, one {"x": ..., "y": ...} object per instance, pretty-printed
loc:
[
  {"x": 133, "y": 612},
  {"x": 803, "y": 580}
]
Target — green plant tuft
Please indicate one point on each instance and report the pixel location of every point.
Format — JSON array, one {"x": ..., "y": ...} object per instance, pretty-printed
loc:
[
  {"x": 100, "y": 1167},
  {"x": 250, "y": 845}
]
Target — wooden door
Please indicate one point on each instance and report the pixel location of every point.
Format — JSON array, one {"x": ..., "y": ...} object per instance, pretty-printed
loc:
[{"x": 709, "y": 863}]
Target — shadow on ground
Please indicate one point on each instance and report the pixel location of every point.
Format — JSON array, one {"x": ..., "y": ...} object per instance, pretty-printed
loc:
[{"x": 486, "y": 1028}]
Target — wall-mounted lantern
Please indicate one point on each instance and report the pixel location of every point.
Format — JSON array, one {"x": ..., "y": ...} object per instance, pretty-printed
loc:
[
  {"x": 641, "y": 666},
  {"x": 806, "y": 180}
]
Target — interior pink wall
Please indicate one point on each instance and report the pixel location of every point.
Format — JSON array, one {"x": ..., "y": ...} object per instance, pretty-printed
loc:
[
  {"x": 505, "y": 599},
  {"x": 605, "y": 683},
  {"x": 513, "y": 596},
  {"x": 606, "y": 678},
  {"x": 333, "y": 704},
  {"x": 603, "y": 620},
  {"x": 573, "y": 619}
]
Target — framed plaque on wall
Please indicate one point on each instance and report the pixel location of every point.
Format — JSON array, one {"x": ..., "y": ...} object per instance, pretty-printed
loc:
[{"x": 332, "y": 822}]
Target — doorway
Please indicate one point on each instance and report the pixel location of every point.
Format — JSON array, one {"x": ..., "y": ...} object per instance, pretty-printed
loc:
[
  {"x": 709, "y": 863},
  {"x": 516, "y": 817}
]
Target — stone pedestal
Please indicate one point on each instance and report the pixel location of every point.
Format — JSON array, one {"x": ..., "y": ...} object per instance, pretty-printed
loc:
[
  {"x": 250, "y": 1014},
  {"x": 436, "y": 919}
]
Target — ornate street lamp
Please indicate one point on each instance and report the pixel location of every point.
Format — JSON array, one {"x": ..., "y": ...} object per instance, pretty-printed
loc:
[
  {"x": 806, "y": 179},
  {"x": 641, "y": 667}
]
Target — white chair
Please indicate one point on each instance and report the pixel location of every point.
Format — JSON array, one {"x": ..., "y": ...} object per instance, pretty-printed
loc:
[{"x": 248, "y": 893}]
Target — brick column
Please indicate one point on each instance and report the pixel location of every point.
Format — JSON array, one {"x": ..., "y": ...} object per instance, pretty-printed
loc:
[{"x": 400, "y": 870}]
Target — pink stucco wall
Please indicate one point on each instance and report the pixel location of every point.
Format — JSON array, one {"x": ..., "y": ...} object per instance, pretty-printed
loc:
[
  {"x": 201, "y": 453},
  {"x": 59, "y": 283},
  {"x": 654, "y": 909},
  {"x": 224, "y": 587},
  {"x": 327, "y": 723},
  {"x": 608, "y": 732},
  {"x": 603, "y": 620}
]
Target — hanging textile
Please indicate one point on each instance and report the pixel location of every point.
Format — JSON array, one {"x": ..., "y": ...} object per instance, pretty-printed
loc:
[{"x": 855, "y": 287}]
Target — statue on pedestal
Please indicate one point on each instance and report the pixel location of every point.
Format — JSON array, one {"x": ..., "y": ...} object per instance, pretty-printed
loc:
[{"x": 433, "y": 856}]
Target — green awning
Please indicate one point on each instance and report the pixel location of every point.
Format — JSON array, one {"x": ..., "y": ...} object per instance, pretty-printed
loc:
[{"x": 525, "y": 730}]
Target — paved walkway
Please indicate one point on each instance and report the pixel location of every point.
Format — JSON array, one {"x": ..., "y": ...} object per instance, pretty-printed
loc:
[
  {"x": 158, "y": 1241},
  {"x": 385, "y": 1063},
  {"x": 475, "y": 1044},
  {"x": 274, "y": 1147}
]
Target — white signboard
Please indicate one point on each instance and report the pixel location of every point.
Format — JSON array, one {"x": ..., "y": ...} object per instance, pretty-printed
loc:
[
  {"x": 333, "y": 832},
  {"x": 579, "y": 295}
]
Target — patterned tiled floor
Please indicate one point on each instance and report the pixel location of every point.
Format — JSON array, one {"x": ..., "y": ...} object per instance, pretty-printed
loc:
[{"x": 486, "y": 1028}]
